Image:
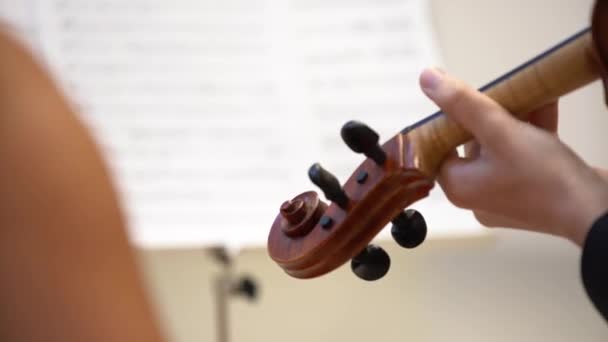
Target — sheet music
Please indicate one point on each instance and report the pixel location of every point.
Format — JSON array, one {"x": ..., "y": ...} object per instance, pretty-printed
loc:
[{"x": 211, "y": 112}]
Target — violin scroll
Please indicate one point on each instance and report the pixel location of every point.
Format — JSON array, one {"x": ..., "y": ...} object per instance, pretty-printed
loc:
[
  {"x": 300, "y": 214},
  {"x": 310, "y": 238}
]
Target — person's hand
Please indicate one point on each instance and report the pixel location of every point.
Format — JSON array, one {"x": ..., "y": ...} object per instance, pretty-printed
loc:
[
  {"x": 517, "y": 174},
  {"x": 544, "y": 118}
]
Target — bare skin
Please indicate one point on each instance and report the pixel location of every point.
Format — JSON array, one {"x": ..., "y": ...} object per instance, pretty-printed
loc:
[
  {"x": 516, "y": 174},
  {"x": 68, "y": 271}
]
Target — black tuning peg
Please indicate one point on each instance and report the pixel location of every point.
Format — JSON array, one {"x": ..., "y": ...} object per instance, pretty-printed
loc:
[
  {"x": 370, "y": 264},
  {"x": 329, "y": 184},
  {"x": 409, "y": 228},
  {"x": 362, "y": 139},
  {"x": 246, "y": 287}
]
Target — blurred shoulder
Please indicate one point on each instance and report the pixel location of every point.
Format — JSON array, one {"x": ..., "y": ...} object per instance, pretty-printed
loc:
[{"x": 10, "y": 38}]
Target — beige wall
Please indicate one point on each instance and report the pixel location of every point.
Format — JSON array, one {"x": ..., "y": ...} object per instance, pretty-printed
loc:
[{"x": 511, "y": 286}]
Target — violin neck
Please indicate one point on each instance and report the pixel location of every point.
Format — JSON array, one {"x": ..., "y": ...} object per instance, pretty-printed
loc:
[{"x": 558, "y": 71}]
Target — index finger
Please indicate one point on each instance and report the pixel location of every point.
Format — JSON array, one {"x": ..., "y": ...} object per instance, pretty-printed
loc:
[{"x": 477, "y": 113}]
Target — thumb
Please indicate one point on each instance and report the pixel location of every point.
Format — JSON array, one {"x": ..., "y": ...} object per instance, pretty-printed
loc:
[{"x": 484, "y": 118}]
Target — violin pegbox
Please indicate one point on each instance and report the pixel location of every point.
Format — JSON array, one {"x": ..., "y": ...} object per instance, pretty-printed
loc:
[{"x": 310, "y": 238}]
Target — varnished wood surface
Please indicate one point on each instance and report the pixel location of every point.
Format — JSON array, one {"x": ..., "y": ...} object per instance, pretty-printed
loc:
[
  {"x": 374, "y": 203},
  {"x": 414, "y": 157},
  {"x": 565, "y": 70}
]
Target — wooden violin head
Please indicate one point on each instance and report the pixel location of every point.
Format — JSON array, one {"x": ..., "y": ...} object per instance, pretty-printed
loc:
[{"x": 309, "y": 238}]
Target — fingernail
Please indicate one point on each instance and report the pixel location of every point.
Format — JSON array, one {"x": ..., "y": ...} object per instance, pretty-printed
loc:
[{"x": 430, "y": 78}]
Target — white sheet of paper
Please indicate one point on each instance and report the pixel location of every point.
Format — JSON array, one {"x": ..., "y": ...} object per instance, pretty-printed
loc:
[{"x": 211, "y": 112}]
